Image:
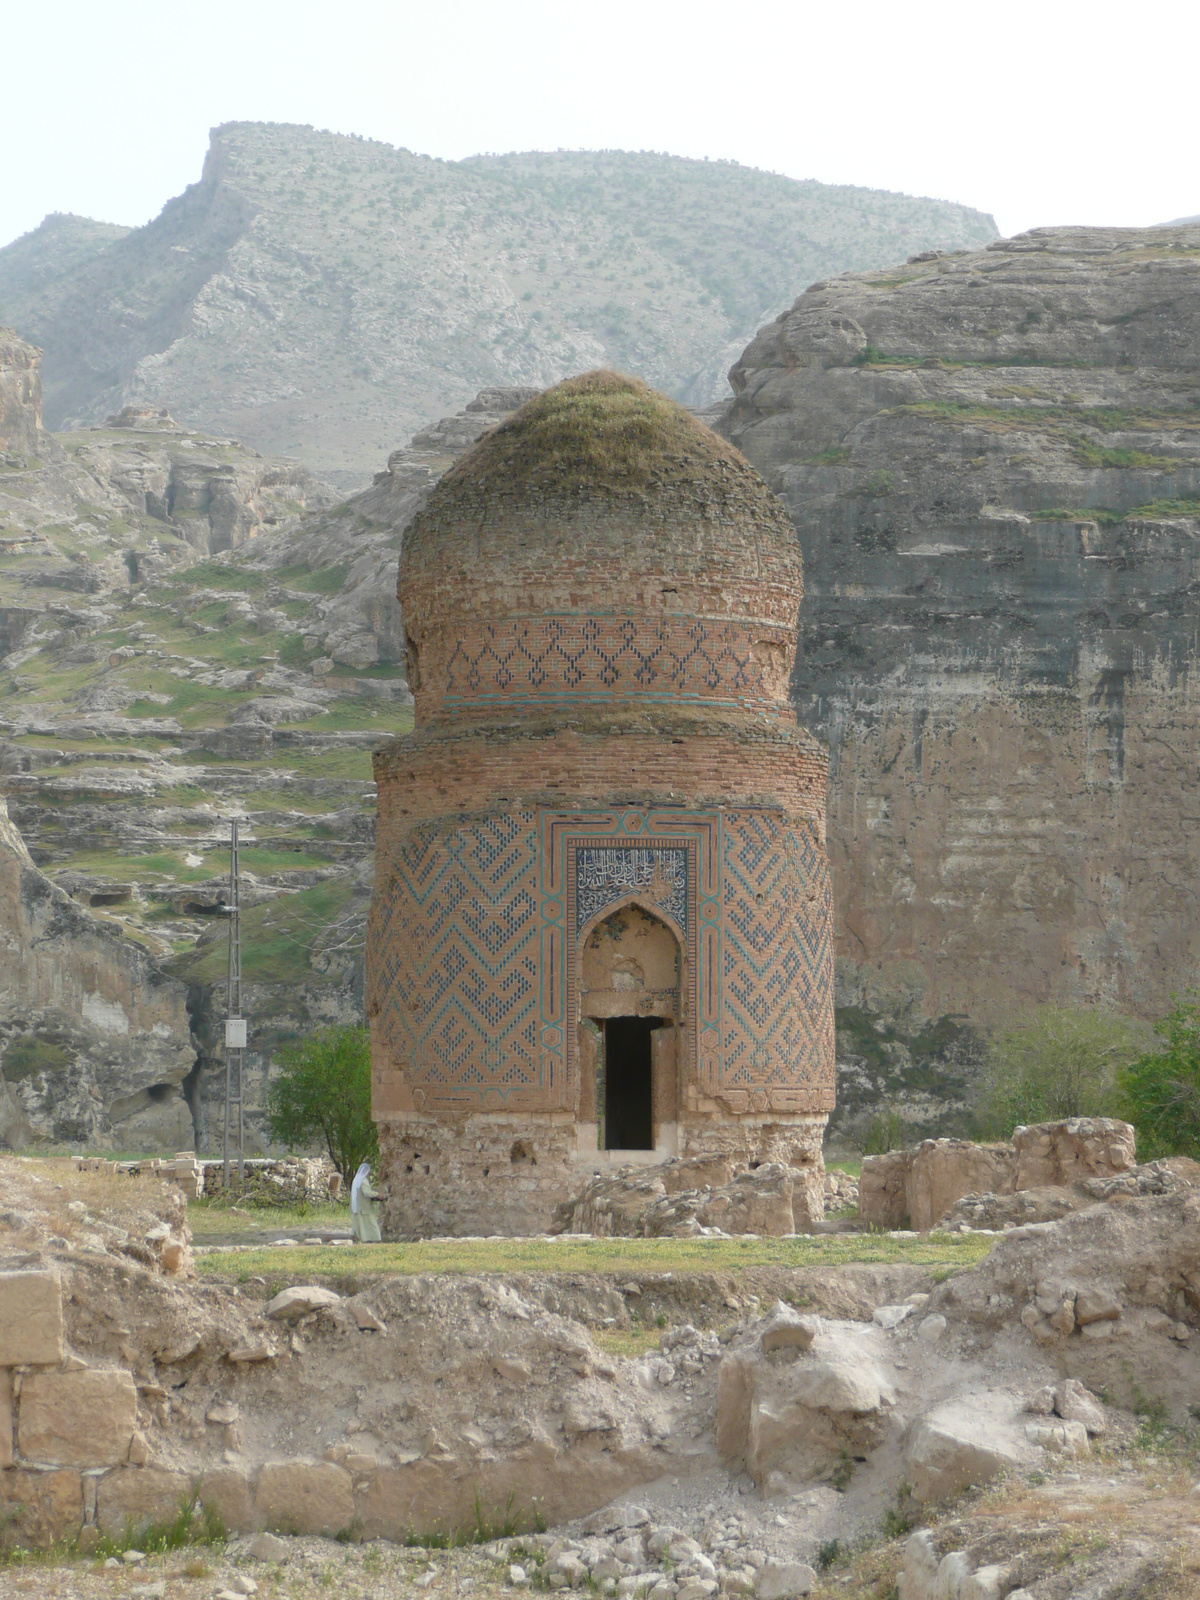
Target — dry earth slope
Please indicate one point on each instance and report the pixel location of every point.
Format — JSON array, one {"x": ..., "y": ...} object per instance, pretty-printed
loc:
[{"x": 321, "y": 295}]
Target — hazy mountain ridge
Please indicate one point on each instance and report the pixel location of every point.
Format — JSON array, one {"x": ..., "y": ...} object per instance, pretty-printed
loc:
[{"x": 325, "y": 296}]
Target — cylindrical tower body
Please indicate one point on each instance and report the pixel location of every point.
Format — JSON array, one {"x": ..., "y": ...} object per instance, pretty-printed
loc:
[{"x": 601, "y": 931}]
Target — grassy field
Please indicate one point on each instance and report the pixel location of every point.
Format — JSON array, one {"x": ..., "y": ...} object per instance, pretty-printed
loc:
[
  {"x": 218, "y": 1221},
  {"x": 947, "y": 1252}
]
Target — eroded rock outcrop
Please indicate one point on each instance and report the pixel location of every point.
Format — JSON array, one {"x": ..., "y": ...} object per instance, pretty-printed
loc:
[
  {"x": 96, "y": 1044},
  {"x": 20, "y": 398},
  {"x": 993, "y": 460}
]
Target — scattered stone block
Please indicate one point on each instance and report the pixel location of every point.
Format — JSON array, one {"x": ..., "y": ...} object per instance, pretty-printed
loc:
[
  {"x": 780, "y": 1581},
  {"x": 40, "y": 1508},
  {"x": 226, "y": 1491},
  {"x": 138, "y": 1495},
  {"x": 289, "y": 1305},
  {"x": 268, "y": 1547},
  {"x": 305, "y": 1497},
  {"x": 1074, "y": 1403},
  {"x": 1096, "y": 1305},
  {"x": 77, "y": 1419},
  {"x": 889, "y": 1317},
  {"x": 1060, "y": 1438},
  {"x": 31, "y": 1319},
  {"x": 931, "y": 1328},
  {"x": 957, "y": 1446},
  {"x": 788, "y": 1330},
  {"x": 985, "y": 1583},
  {"x": 247, "y": 1353}
]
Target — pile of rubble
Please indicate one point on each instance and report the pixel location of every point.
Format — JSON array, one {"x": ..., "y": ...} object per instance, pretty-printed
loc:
[{"x": 696, "y": 1197}]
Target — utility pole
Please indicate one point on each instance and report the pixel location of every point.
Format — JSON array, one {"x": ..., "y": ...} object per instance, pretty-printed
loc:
[{"x": 235, "y": 1023}]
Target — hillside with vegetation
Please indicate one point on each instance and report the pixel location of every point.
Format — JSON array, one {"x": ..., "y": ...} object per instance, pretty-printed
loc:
[{"x": 322, "y": 297}]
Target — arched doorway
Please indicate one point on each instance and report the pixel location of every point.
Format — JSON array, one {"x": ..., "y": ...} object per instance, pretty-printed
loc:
[{"x": 631, "y": 980}]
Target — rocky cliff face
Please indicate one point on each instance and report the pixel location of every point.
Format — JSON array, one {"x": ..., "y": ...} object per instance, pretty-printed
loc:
[
  {"x": 993, "y": 461},
  {"x": 20, "y": 401},
  {"x": 188, "y": 633},
  {"x": 94, "y": 1038},
  {"x": 318, "y": 295}
]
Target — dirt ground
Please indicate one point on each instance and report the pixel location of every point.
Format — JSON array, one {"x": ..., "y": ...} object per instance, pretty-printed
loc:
[{"x": 1122, "y": 1523}]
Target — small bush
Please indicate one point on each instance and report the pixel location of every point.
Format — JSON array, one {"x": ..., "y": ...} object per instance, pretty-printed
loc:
[
  {"x": 885, "y": 1133},
  {"x": 191, "y": 1524},
  {"x": 1056, "y": 1063},
  {"x": 1161, "y": 1089},
  {"x": 828, "y": 1554}
]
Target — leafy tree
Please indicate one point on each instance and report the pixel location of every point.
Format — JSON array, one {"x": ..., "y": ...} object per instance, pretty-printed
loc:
[
  {"x": 1056, "y": 1063},
  {"x": 323, "y": 1091},
  {"x": 1162, "y": 1087}
]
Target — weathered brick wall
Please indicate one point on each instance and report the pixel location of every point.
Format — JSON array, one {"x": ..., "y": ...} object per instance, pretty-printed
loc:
[{"x": 476, "y": 923}]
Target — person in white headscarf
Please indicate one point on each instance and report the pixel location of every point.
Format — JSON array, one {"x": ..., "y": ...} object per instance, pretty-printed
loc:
[{"x": 363, "y": 1217}]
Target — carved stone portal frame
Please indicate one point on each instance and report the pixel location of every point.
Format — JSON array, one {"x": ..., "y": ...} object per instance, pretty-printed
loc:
[{"x": 564, "y": 834}]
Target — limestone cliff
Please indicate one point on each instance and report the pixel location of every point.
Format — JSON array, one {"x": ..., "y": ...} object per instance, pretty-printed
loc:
[
  {"x": 20, "y": 400},
  {"x": 993, "y": 461},
  {"x": 321, "y": 295},
  {"x": 94, "y": 1039}
]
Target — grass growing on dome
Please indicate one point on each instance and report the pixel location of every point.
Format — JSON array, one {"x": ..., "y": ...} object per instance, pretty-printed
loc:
[{"x": 601, "y": 426}]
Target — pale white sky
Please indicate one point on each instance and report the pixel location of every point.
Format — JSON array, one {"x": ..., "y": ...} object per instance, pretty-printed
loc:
[{"x": 1039, "y": 111}]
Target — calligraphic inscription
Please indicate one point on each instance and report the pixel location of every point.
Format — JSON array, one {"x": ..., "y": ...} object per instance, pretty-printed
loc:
[{"x": 605, "y": 874}]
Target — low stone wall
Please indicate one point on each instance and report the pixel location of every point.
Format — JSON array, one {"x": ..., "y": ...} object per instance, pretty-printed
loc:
[
  {"x": 1073, "y": 1151},
  {"x": 917, "y": 1187},
  {"x": 287, "y": 1181}
]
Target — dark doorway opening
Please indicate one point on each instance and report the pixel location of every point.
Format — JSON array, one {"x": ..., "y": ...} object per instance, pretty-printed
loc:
[{"x": 628, "y": 1114}]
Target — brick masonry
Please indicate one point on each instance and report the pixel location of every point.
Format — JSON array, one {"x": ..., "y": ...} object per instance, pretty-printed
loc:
[{"x": 602, "y": 736}]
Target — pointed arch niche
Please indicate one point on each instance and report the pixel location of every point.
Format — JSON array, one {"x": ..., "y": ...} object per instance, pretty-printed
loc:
[
  {"x": 632, "y": 983},
  {"x": 666, "y": 864}
]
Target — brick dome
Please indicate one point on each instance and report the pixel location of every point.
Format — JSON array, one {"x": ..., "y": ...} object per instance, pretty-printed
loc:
[{"x": 599, "y": 530}]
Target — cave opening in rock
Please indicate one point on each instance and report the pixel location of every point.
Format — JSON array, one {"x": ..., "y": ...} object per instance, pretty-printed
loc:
[{"x": 628, "y": 1083}]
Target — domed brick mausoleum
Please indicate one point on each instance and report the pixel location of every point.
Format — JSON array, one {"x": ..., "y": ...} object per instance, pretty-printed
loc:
[{"x": 602, "y": 928}]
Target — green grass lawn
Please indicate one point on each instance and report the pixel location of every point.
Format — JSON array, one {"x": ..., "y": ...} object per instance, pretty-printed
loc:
[
  {"x": 948, "y": 1252},
  {"x": 208, "y": 1220}
]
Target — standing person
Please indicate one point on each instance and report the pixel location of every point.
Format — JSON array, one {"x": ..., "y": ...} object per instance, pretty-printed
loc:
[{"x": 363, "y": 1217}]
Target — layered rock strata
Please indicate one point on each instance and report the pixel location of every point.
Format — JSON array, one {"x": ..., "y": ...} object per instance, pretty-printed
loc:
[
  {"x": 993, "y": 460},
  {"x": 96, "y": 1038}
]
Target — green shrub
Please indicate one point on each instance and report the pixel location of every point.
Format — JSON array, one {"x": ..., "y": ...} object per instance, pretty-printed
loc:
[
  {"x": 886, "y": 1132},
  {"x": 1162, "y": 1088},
  {"x": 28, "y": 1055},
  {"x": 1056, "y": 1063}
]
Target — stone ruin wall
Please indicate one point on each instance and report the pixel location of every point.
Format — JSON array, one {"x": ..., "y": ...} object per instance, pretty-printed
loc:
[{"x": 917, "y": 1187}]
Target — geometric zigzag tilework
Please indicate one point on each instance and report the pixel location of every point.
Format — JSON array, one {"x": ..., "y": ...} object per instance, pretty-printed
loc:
[
  {"x": 460, "y": 925},
  {"x": 455, "y": 942},
  {"x": 777, "y": 1032},
  {"x": 597, "y": 657}
]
